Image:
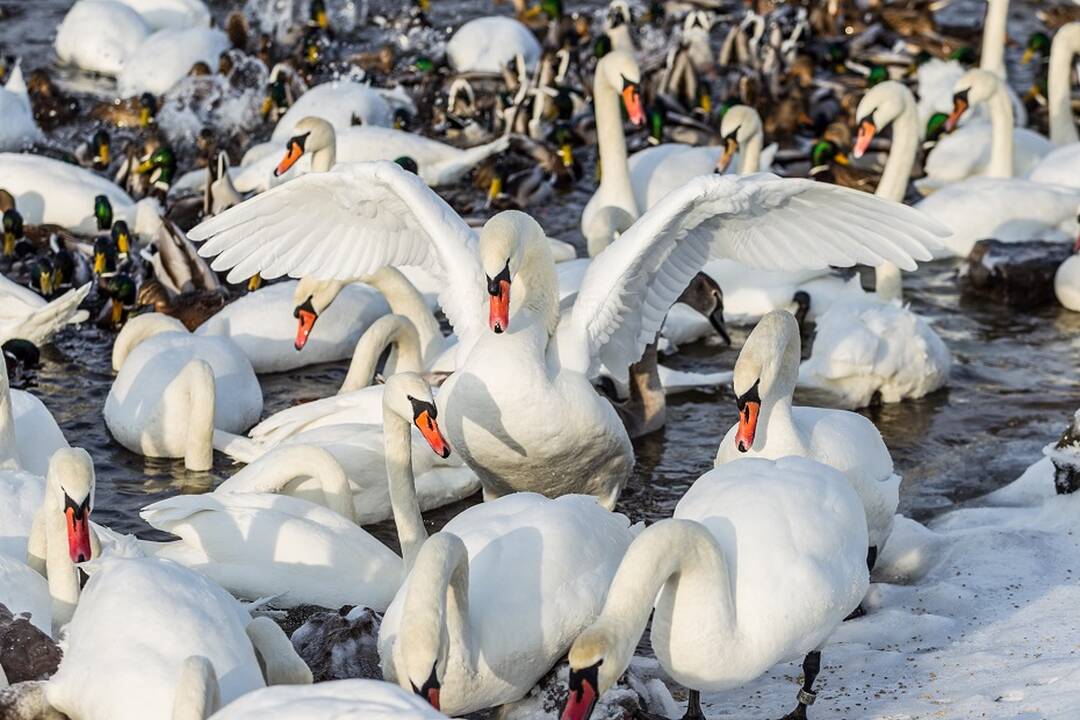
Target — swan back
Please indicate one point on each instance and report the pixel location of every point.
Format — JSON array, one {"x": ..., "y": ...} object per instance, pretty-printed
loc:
[{"x": 139, "y": 329}]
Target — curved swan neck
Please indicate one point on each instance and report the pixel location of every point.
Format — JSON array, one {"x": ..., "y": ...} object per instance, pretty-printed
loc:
[
  {"x": 905, "y": 145},
  {"x": 397, "y": 442},
  {"x": 1001, "y": 134},
  {"x": 771, "y": 356},
  {"x": 9, "y": 448},
  {"x": 198, "y": 377},
  {"x": 279, "y": 468},
  {"x": 198, "y": 695},
  {"x": 394, "y": 331},
  {"x": 751, "y": 154},
  {"x": 405, "y": 299},
  {"x": 326, "y": 156},
  {"x": 671, "y": 555},
  {"x": 1065, "y": 46},
  {"x": 614, "y": 169},
  {"x": 140, "y": 328},
  {"x": 992, "y": 55},
  {"x": 541, "y": 282}
]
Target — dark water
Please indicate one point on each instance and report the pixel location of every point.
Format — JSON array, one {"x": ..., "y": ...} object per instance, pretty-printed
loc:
[{"x": 1013, "y": 385}]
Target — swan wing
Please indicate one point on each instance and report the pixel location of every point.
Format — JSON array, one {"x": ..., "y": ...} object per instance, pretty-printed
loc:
[
  {"x": 348, "y": 223},
  {"x": 760, "y": 220}
]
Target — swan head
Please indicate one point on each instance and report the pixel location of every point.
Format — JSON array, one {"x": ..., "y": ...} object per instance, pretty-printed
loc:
[
  {"x": 882, "y": 104},
  {"x": 310, "y": 135},
  {"x": 620, "y": 70},
  {"x": 974, "y": 87},
  {"x": 408, "y": 396},
  {"x": 739, "y": 126},
  {"x": 765, "y": 371},
  {"x": 502, "y": 255},
  {"x": 705, "y": 295},
  {"x": 590, "y": 675},
  {"x": 71, "y": 481},
  {"x": 310, "y": 299}
]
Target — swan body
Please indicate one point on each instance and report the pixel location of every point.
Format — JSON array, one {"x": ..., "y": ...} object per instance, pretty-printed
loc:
[
  {"x": 262, "y": 325},
  {"x": 494, "y": 600},
  {"x": 846, "y": 441},
  {"x": 100, "y": 35},
  {"x": 733, "y": 596},
  {"x": 368, "y": 699},
  {"x": 175, "y": 14},
  {"x": 965, "y": 153},
  {"x": 26, "y": 315},
  {"x": 136, "y": 622},
  {"x": 37, "y": 436},
  {"x": 22, "y": 590},
  {"x": 173, "y": 388},
  {"x": 21, "y": 494},
  {"x": 1067, "y": 283},
  {"x": 488, "y": 44},
  {"x": 342, "y": 103},
  {"x": 17, "y": 126},
  {"x": 166, "y": 56},
  {"x": 1059, "y": 167}
]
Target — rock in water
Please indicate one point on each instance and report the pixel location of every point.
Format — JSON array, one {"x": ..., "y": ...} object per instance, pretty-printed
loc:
[
  {"x": 26, "y": 653},
  {"x": 336, "y": 647},
  {"x": 1017, "y": 274}
]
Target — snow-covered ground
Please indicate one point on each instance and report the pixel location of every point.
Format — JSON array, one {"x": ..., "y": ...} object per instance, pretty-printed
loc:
[{"x": 973, "y": 617}]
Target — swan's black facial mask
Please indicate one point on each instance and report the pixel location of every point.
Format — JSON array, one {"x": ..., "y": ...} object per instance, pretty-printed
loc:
[
  {"x": 749, "y": 404},
  {"x": 499, "y": 291},
  {"x": 430, "y": 689},
  {"x": 584, "y": 689}
]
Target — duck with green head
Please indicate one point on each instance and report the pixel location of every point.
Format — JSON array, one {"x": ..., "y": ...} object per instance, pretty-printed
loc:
[
  {"x": 95, "y": 152},
  {"x": 119, "y": 289},
  {"x": 103, "y": 213},
  {"x": 41, "y": 277},
  {"x": 13, "y": 231},
  {"x": 161, "y": 166},
  {"x": 276, "y": 101}
]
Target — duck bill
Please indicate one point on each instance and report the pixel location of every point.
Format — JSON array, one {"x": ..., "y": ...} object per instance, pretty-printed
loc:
[
  {"x": 144, "y": 167},
  {"x": 716, "y": 319},
  {"x": 863, "y": 138},
  {"x": 748, "y": 419},
  {"x": 960, "y": 106},
  {"x": 9, "y": 244},
  {"x": 144, "y": 116},
  {"x": 99, "y": 263},
  {"x": 254, "y": 282},
  {"x": 305, "y": 323},
  {"x": 730, "y": 146},
  {"x": 267, "y": 106},
  {"x": 567, "y": 155},
  {"x": 321, "y": 20},
  {"x": 1029, "y": 55},
  {"x": 78, "y": 532},
  {"x": 45, "y": 284},
  {"x": 431, "y": 432},
  {"x": 117, "y": 312},
  {"x": 102, "y": 155},
  {"x": 499, "y": 316},
  {"x": 425, "y": 5},
  {"x": 123, "y": 243},
  {"x": 291, "y": 156},
  {"x": 580, "y": 702},
  {"x": 631, "y": 96},
  {"x": 494, "y": 190}
]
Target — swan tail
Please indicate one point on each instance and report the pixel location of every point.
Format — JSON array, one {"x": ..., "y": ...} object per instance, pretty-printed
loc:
[{"x": 239, "y": 448}]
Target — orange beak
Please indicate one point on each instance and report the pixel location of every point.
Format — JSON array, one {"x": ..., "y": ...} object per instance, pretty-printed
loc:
[
  {"x": 960, "y": 106},
  {"x": 499, "y": 317},
  {"x": 730, "y": 146},
  {"x": 430, "y": 430},
  {"x": 306, "y": 317},
  {"x": 78, "y": 531},
  {"x": 631, "y": 96},
  {"x": 292, "y": 154},
  {"x": 863, "y": 138},
  {"x": 580, "y": 702},
  {"x": 748, "y": 417},
  {"x": 433, "y": 693}
]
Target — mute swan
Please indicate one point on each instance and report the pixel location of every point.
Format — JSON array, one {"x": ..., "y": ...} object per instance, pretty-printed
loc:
[
  {"x": 258, "y": 544},
  {"x": 271, "y": 323},
  {"x": 511, "y": 378},
  {"x": 488, "y": 44},
  {"x": 28, "y": 432},
  {"x": 138, "y": 621},
  {"x": 1059, "y": 167},
  {"x": 99, "y": 35},
  {"x": 342, "y": 103},
  {"x": 26, "y": 315},
  {"x": 873, "y": 345},
  {"x": 166, "y": 56},
  {"x": 17, "y": 126},
  {"x": 1067, "y": 277},
  {"x": 999, "y": 206},
  {"x": 437, "y": 163},
  {"x": 173, "y": 388},
  {"x": 770, "y": 427},
  {"x": 733, "y": 596},
  {"x": 367, "y": 699},
  {"x": 493, "y": 601}
]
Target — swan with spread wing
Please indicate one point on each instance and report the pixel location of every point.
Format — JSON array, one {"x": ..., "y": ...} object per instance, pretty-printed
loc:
[{"x": 519, "y": 407}]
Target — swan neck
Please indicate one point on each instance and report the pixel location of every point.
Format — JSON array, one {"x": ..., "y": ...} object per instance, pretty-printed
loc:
[
  {"x": 278, "y": 470},
  {"x": 404, "y": 299},
  {"x": 614, "y": 169},
  {"x": 751, "y": 155},
  {"x": 992, "y": 56},
  {"x": 199, "y": 448},
  {"x": 137, "y": 330},
  {"x": 1001, "y": 135},
  {"x": 393, "y": 331},
  {"x": 397, "y": 440},
  {"x": 325, "y": 157},
  {"x": 1058, "y": 86},
  {"x": 538, "y": 283},
  {"x": 905, "y": 145},
  {"x": 9, "y": 447},
  {"x": 888, "y": 282}
]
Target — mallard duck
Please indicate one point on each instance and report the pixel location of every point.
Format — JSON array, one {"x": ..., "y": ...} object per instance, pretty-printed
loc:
[
  {"x": 137, "y": 112},
  {"x": 831, "y": 164},
  {"x": 191, "y": 308},
  {"x": 52, "y": 108},
  {"x": 119, "y": 291},
  {"x": 94, "y": 153}
]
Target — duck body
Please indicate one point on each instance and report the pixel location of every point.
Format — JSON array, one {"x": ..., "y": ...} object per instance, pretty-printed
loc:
[
  {"x": 538, "y": 571},
  {"x": 17, "y": 126},
  {"x": 26, "y": 315},
  {"x": 136, "y": 622},
  {"x": 488, "y": 44},
  {"x": 100, "y": 35},
  {"x": 166, "y": 56},
  {"x": 262, "y": 325},
  {"x": 368, "y": 699}
]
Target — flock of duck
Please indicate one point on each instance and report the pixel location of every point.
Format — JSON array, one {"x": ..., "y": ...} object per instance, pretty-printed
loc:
[{"x": 400, "y": 208}]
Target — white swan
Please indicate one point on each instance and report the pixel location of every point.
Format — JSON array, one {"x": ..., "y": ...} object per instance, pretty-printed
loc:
[
  {"x": 367, "y": 699},
  {"x": 488, "y": 44},
  {"x": 166, "y": 56},
  {"x": 343, "y": 103},
  {"x": 1067, "y": 277},
  {"x": 999, "y": 206},
  {"x": 99, "y": 35},
  {"x": 873, "y": 345},
  {"x": 1059, "y": 167},
  {"x": 137, "y": 622},
  {"x": 176, "y": 14},
  {"x": 493, "y": 601},
  {"x": 259, "y": 544},
  {"x": 512, "y": 375},
  {"x": 29, "y": 434},
  {"x": 173, "y": 388},
  {"x": 26, "y": 315},
  {"x": 288, "y": 325},
  {"x": 17, "y": 126},
  {"x": 761, "y": 562},
  {"x": 316, "y": 139},
  {"x": 770, "y": 427}
]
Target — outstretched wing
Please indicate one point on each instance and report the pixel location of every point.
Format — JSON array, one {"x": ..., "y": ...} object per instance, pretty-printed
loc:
[
  {"x": 348, "y": 223},
  {"x": 760, "y": 220}
]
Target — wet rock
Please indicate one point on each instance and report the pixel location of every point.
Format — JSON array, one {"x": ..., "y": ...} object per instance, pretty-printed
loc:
[
  {"x": 1065, "y": 456},
  {"x": 1017, "y": 274},
  {"x": 340, "y": 645},
  {"x": 26, "y": 653}
]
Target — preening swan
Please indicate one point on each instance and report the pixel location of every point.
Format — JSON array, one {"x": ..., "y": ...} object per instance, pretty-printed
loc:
[{"x": 512, "y": 375}]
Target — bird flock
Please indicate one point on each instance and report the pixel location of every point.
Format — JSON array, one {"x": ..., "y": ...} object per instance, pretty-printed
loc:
[{"x": 228, "y": 192}]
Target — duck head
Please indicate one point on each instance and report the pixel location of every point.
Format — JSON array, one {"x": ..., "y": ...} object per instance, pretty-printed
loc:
[
  {"x": 408, "y": 396},
  {"x": 973, "y": 87},
  {"x": 310, "y": 135},
  {"x": 765, "y": 371},
  {"x": 41, "y": 276},
  {"x": 120, "y": 289},
  {"x": 13, "y": 231},
  {"x": 739, "y": 125},
  {"x": 99, "y": 143},
  {"x": 1037, "y": 45},
  {"x": 148, "y": 107},
  {"x": 121, "y": 237},
  {"x": 103, "y": 212}
]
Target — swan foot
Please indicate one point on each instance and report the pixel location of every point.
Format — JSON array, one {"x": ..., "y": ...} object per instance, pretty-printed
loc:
[
  {"x": 856, "y": 614},
  {"x": 693, "y": 707},
  {"x": 806, "y": 697}
]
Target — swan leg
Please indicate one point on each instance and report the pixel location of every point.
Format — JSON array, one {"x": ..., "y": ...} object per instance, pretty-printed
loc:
[
  {"x": 871, "y": 561},
  {"x": 693, "y": 707},
  {"x": 811, "y": 667}
]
